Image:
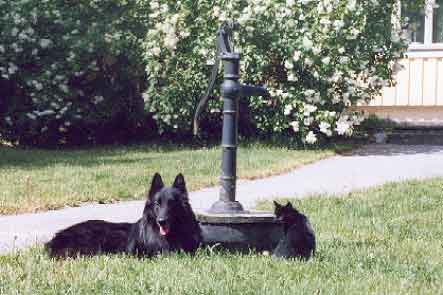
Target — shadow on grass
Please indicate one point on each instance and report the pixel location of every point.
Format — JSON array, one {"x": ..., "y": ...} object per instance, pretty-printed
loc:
[
  {"x": 33, "y": 158},
  {"x": 87, "y": 157},
  {"x": 16, "y": 157}
]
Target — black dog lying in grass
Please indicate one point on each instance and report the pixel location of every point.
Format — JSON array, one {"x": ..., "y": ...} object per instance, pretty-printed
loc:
[
  {"x": 168, "y": 224},
  {"x": 299, "y": 238}
]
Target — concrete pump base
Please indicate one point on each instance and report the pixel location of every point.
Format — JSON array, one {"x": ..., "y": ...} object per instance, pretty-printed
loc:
[{"x": 241, "y": 231}]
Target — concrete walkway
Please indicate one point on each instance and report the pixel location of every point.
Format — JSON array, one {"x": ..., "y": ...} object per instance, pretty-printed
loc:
[{"x": 369, "y": 166}]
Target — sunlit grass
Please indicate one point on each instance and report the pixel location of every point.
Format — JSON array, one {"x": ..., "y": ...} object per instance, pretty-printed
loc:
[
  {"x": 386, "y": 240},
  {"x": 33, "y": 180}
]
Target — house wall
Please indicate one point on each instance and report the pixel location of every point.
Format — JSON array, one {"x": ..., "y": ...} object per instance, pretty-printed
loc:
[{"x": 417, "y": 97}]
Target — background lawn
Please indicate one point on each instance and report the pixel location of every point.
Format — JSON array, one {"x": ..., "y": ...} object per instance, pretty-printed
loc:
[
  {"x": 33, "y": 180},
  {"x": 387, "y": 240}
]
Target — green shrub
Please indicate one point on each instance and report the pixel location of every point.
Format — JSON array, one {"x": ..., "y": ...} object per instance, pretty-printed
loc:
[
  {"x": 317, "y": 57},
  {"x": 70, "y": 71},
  {"x": 74, "y": 71}
]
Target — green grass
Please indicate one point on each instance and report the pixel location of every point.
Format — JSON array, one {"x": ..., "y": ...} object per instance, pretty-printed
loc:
[
  {"x": 35, "y": 180},
  {"x": 387, "y": 240}
]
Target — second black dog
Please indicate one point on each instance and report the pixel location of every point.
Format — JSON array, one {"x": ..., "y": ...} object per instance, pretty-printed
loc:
[
  {"x": 168, "y": 224},
  {"x": 299, "y": 238}
]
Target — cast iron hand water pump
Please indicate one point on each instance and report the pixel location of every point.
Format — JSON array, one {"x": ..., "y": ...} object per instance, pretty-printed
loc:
[{"x": 231, "y": 91}]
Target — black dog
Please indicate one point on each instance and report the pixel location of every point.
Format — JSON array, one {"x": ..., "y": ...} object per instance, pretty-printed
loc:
[
  {"x": 89, "y": 238},
  {"x": 299, "y": 238},
  {"x": 168, "y": 224}
]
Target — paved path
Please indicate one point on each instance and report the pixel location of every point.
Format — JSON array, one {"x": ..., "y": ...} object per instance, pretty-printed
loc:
[{"x": 365, "y": 167}]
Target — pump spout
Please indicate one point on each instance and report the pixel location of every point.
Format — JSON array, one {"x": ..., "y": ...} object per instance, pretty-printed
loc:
[{"x": 254, "y": 91}]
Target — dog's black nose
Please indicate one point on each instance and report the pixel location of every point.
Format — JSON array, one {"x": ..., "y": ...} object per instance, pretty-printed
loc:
[{"x": 162, "y": 221}]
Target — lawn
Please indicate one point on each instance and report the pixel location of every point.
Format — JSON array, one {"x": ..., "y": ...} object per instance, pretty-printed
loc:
[
  {"x": 34, "y": 180},
  {"x": 386, "y": 240}
]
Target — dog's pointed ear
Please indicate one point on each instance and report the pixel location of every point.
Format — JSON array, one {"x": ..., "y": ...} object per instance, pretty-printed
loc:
[
  {"x": 179, "y": 183},
  {"x": 156, "y": 185},
  {"x": 277, "y": 205},
  {"x": 289, "y": 205}
]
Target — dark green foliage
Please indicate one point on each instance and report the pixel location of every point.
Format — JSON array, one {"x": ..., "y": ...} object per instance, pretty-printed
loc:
[{"x": 70, "y": 72}]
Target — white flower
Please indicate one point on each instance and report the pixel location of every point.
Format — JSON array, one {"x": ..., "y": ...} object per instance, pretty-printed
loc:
[
  {"x": 295, "y": 126},
  {"x": 292, "y": 77},
  {"x": 338, "y": 24},
  {"x": 296, "y": 55},
  {"x": 156, "y": 51},
  {"x": 289, "y": 65},
  {"x": 326, "y": 60},
  {"x": 307, "y": 43},
  {"x": 98, "y": 99},
  {"x": 344, "y": 59},
  {"x": 154, "y": 5},
  {"x": 8, "y": 120},
  {"x": 351, "y": 5},
  {"x": 288, "y": 109},
  {"x": 316, "y": 50},
  {"x": 14, "y": 32},
  {"x": 63, "y": 110},
  {"x": 31, "y": 116},
  {"x": 309, "y": 92},
  {"x": 308, "y": 121},
  {"x": 45, "y": 43},
  {"x": 12, "y": 69},
  {"x": 308, "y": 109},
  {"x": 171, "y": 42},
  {"x": 336, "y": 98},
  {"x": 343, "y": 127},
  {"x": 354, "y": 33},
  {"x": 325, "y": 128},
  {"x": 325, "y": 21},
  {"x": 63, "y": 88},
  {"x": 46, "y": 113},
  {"x": 16, "y": 47},
  {"x": 311, "y": 138},
  {"x": 38, "y": 85},
  {"x": 216, "y": 11}
]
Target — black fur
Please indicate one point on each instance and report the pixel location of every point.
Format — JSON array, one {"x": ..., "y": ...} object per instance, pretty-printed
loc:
[
  {"x": 168, "y": 222},
  {"x": 165, "y": 206},
  {"x": 89, "y": 238},
  {"x": 299, "y": 238}
]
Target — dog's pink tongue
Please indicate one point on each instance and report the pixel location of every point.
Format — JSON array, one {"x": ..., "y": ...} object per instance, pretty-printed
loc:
[{"x": 163, "y": 232}]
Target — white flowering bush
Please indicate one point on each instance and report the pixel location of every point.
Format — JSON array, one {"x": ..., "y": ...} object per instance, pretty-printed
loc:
[
  {"x": 316, "y": 56},
  {"x": 70, "y": 71}
]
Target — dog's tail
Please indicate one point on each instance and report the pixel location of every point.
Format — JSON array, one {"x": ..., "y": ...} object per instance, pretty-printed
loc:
[{"x": 53, "y": 248}]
